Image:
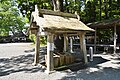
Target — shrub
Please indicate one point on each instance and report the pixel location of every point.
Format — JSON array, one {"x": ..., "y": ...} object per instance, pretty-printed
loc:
[
  {"x": 32, "y": 38},
  {"x": 43, "y": 39}
]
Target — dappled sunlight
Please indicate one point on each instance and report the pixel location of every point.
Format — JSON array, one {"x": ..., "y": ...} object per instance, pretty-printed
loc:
[
  {"x": 112, "y": 64},
  {"x": 100, "y": 69},
  {"x": 93, "y": 69},
  {"x": 103, "y": 67},
  {"x": 22, "y": 63}
]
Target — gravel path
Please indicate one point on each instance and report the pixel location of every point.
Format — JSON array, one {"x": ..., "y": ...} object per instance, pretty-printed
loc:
[
  {"x": 7, "y": 50},
  {"x": 16, "y": 60}
]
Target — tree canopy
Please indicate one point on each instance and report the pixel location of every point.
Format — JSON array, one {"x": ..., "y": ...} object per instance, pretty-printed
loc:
[
  {"x": 10, "y": 19},
  {"x": 89, "y": 11}
]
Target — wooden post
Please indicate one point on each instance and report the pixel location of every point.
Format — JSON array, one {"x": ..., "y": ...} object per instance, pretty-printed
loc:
[
  {"x": 83, "y": 46},
  {"x": 65, "y": 42},
  {"x": 71, "y": 45},
  {"x": 37, "y": 48},
  {"x": 115, "y": 37},
  {"x": 95, "y": 39},
  {"x": 50, "y": 48}
]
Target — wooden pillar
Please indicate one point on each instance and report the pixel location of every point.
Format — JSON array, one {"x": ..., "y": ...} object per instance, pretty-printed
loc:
[
  {"x": 95, "y": 40},
  {"x": 37, "y": 48},
  {"x": 115, "y": 37},
  {"x": 50, "y": 49},
  {"x": 65, "y": 42},
  {"x": 83, "y": 47},
  {"x": 71, "y": 45}
]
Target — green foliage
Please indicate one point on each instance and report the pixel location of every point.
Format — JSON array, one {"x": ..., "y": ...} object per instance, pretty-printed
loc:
[
  {"x": 43, "y": 39},
  {"x": 10, "y": 19},
  {"x": 89, "y": 10},
  {"x": 105, "y": 35},
  {"x": 27, "y": 6},
  {"x": 32, "y": 38}
]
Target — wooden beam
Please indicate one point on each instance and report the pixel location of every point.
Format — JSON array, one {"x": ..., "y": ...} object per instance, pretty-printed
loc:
[
  {"x": 34, "y": 28},
  {"x": 73, "y": 34},
  {"x": 104, "y": 24},
  {"x": 67, "y": 31},
  {"x": 50, "y": 49},
  {"x": 57, "y": 13},
  {"x": 83, "y": 47},
  {"x": 37, "y": 49}
]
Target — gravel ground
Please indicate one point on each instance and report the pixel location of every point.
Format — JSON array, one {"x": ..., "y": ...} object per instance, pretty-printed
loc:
[
  {"x": 16, "y": 60},
  {"x": 7, "y": 50}
]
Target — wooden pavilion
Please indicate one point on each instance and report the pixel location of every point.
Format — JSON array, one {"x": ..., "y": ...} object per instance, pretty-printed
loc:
[
  {"x": 114, "y": 25},
  {"x": 53, "y": 23}
]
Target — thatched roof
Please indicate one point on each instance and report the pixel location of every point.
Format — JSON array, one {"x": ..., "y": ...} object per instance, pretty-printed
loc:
[
  {"x": 105, "y": 23},
  {"x": 48, "y": 20}
]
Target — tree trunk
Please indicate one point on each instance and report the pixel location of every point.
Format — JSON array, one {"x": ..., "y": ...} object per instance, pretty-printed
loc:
[
  {"x": 58, "y": 5},
  {"x": 59, "y": 42},
  {"x": 54, "y": 5},
  {"x": 106, "y": 11},
  {"x": 110, "y": 7},
  {"x": 100, "y": 10}
]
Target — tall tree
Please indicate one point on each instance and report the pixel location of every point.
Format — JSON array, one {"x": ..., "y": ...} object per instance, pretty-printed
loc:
[
  {"x": 106, "y": 9},
  {"x": 58, "y": 5},
  {"x": 110, "y": 8},
  {"x": 27, "y": 6},
  {"x": 100, "y": 10},
  {"x": 10, "y": 19},
  {"x": 89, "y": 10}
]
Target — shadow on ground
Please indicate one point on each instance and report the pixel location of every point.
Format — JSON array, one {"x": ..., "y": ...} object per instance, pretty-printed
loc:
[
  {"x": 81, "y": 66},
  {"x": 23, "y": 63},
  {"x": 94, "y": 72},
  {"x": 20, "y": 63},
  {"x": 97, "y": 60},
  {"x": 104, "y": 74}
]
